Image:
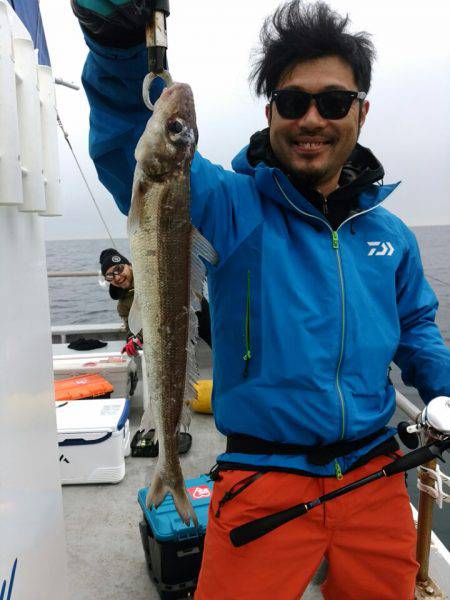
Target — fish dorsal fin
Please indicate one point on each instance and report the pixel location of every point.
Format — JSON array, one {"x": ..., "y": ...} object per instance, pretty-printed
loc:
[
  {"x": 134, "y": 317},
  {"x": 200, "y": 248}
]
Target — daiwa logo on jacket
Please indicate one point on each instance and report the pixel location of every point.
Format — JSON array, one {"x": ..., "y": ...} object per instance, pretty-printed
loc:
[{"x": 385, "y": 249}]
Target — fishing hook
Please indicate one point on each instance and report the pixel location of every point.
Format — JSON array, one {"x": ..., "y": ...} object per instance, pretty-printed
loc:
[{"x": 146, "y": 85}]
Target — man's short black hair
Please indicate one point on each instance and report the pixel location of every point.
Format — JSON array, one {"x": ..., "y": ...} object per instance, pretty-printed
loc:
[{"x": 298, "y": 32}]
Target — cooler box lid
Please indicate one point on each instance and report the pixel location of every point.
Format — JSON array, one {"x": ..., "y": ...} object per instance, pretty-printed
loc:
[
  {"x": 105, "y": 415},
  {"x": 165, "y": 522},
  {"x": 63, "y": 364},
  {"x": 82, "y": 386}
]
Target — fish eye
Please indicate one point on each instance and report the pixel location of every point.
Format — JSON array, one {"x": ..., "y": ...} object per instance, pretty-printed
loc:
[{"x": 175, "y": 127}]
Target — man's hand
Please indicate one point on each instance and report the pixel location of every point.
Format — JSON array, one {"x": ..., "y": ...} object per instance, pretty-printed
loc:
[
  {"x": 114, "y": 23},
  {"x": 132, "y": 347}
]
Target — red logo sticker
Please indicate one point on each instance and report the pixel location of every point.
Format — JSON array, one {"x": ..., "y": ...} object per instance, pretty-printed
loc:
[{"x": 199, "y": 491}]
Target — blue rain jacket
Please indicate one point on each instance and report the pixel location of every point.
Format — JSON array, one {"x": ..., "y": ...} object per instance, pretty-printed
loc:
[{"x": 305, "y": 321}]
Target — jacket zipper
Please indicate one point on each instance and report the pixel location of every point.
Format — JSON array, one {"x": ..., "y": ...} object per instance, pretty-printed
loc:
[
  {"x": 335, "y": 239},
  {"x": 335, "y": 244}
]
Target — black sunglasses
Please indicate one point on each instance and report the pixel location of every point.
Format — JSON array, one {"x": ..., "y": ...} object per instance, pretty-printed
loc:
[
  {"x": 117, "y": 271},
  {"x": 294, "y": 104}
]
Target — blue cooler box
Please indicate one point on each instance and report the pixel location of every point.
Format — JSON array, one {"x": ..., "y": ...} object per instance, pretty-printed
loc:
[{"x": 173, "y": 550}]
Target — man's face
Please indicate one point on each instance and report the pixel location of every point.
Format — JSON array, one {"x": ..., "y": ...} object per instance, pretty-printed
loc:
[
  {"x": 312, "y": 147},
  {"x": 124, "y": 278}
]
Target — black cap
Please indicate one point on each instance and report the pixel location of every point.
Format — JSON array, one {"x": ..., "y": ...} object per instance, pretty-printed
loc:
[{"x": 111, "y": 257}]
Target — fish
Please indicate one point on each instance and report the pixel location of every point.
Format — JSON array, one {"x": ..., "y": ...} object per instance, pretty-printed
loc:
[{"x": 169, "y": 271}]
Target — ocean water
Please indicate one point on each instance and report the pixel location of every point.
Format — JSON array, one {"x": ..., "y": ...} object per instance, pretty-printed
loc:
[{"x": 84, "y": 300}]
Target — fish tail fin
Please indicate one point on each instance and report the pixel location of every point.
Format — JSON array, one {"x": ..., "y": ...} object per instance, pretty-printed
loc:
[
  {"x": 158, "y": 491},
  {"x": 184, "y": 507}
]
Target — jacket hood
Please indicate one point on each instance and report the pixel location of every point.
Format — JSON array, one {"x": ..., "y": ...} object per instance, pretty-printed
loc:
[{"x": 359, "y": 174}]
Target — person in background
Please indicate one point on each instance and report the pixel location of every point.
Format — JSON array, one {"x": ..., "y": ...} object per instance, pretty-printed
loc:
[
  {"x": 318, "y": 289},
  {"x": 118, "y": 271}
]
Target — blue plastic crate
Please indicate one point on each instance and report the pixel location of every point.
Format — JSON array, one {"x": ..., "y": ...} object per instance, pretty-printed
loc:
[
  {"x": 173, "y": 550},
  {"x": 166, "y": 524}
]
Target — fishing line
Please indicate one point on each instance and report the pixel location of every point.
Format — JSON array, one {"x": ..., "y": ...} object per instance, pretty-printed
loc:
[
  {"x": 437, "y": 279},
  {"x": 66, "y": 136}
]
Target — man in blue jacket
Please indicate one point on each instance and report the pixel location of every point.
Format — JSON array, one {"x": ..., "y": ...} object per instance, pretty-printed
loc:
[{"x": 317, "y": 290}]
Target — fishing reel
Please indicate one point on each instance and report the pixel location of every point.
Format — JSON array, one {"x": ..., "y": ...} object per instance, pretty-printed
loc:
[{"x": 433, "y": 423}]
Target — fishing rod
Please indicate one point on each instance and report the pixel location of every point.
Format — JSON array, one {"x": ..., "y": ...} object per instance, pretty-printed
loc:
[{"x": 434, "y": 421}]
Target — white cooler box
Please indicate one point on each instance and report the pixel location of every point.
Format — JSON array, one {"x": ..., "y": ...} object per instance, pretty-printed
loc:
[
  {"x": 115, "y": 369},
  {"x": 93, "y": 439}
]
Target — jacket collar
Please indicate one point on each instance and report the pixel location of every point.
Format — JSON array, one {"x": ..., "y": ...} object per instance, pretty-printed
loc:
[{"x": 358, "y": 185}]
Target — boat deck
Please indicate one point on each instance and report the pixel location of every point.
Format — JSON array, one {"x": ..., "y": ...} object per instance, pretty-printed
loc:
[{"x": 104, "y": 549}]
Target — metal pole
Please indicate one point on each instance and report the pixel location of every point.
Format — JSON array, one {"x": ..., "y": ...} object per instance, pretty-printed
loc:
[
  {"x": 424, "y": 524},
  {"x": 425, "y": 586},
  {"x": 68, "y": 84},
  {"x": 73, "y": 274}
]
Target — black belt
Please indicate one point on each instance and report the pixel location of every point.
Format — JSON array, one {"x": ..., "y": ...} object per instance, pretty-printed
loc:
[{"x": 317, "y": 455}]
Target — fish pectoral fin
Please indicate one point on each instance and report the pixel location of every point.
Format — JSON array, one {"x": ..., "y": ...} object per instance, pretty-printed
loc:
[
  {"x": 147, "y": 421},
  {"x": 201, "y": 247},
  {"x": 134, "y": 318}
]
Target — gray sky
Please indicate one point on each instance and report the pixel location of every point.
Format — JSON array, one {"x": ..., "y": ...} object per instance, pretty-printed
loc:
[{"x": 210, "y": 43}]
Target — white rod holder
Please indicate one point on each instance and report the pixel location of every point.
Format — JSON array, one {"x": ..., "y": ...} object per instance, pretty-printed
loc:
[
  {"x": 49, "y": 142},
  {"x": 10, "y": 173},
  {"x": 28, "y": 107}
]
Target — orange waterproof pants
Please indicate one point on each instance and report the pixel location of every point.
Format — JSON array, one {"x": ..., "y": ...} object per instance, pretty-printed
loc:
[{"x": 367, "y": 535}]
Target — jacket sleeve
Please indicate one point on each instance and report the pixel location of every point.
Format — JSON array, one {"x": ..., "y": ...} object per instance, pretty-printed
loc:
[
  {"x": 225, "y": 206},
  {"x": 123, "y": 314},
  {"x": 112, "y": 80},
  {"x": 124, "y": 311},
  {"x": 422, "y": 355}
]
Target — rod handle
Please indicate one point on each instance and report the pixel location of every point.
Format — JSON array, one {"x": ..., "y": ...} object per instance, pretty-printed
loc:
[
  {"x": 412, "y": 460},
  {"x": 254, "y": 529}
]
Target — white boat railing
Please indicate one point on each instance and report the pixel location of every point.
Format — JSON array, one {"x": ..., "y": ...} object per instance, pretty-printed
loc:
[
  {"x": 62, "y": 331},
  {"x": 73, "y": 274},
  {"x": 406, "y": 405}
]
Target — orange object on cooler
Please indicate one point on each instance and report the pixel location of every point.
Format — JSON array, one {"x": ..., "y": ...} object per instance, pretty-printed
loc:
[{"x": 81, "y": 387}]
